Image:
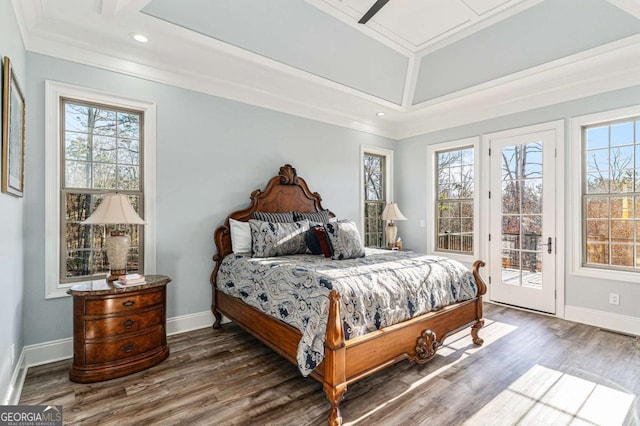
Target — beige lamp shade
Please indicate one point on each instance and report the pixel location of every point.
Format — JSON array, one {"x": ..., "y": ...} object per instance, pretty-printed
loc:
[
  {"x": 391, "y": 212},
  {"x": 115, "y": 209}
]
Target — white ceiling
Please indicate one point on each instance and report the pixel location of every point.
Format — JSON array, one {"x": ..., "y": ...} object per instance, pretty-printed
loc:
[
  {"x": 269, "y": 68},
  {"x": 417, "y": 24}
]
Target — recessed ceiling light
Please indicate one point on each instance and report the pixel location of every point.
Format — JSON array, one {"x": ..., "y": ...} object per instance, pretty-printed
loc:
[
  {"x": 139, "y": 37},
  {"x": 380, "y": 114}
]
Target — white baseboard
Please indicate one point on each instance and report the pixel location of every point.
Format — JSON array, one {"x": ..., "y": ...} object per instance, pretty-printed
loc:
[
  {"x": 607, "y": 320},
  {"x": 17, "y": 380},
  {"x": 56, "y": 350},
  {"x": 189, "y": 322},
  {"x": 52, "y": 351}
]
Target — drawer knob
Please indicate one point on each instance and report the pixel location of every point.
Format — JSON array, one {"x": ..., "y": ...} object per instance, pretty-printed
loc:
[
  {"x": 128, "y": 323},
  {"x": 128, "y": 303},
  {"x": 128, "y": 348}
]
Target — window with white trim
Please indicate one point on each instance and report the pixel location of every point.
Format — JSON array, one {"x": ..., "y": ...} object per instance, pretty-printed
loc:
[
  {"x": 376, "y": 192},
  {"x": 101, "y": 153},
  {"x": 611, "y": 194},
  {"x": 95, "y": 143},
  {"x": 452, "y": 202}
]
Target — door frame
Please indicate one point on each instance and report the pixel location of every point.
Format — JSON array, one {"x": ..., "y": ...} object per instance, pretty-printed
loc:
[{"x": 558, "y": 127}]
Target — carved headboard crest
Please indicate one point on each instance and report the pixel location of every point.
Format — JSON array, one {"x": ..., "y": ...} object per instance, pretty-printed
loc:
[
  {"x": 288, "y": 175},
  {"x": 285, "y": 192}
]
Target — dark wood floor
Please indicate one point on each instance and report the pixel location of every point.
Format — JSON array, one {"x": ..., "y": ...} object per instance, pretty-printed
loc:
[{"x": 532, "y": 370}]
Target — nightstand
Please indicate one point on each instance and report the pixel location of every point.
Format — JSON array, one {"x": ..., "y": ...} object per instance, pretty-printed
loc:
[{"x": 118, "y": 331}]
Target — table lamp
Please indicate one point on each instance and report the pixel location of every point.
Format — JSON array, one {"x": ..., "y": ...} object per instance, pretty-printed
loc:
[
  {"x": 390, "y": 213},
  {"x": 115, "y": 209}
]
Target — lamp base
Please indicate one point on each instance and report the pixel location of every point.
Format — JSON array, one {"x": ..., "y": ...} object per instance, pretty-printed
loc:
[
  {"x": 115, "y": 274},
  {"x": 117, "y": 246},
  {"x": 391, "y": 233}
]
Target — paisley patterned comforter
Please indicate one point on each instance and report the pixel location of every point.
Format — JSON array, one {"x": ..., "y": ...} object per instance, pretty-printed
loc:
[{"x": 383, "y": 288}]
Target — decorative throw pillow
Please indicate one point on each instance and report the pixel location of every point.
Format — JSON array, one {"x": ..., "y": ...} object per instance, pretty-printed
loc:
[
  {"x": 314, "y": 217},
  {"x": 278, "y": 239},
  {"x": 317, "y": 241},
  {"x": 284, "y": 217},
  {"x": 240, "y": 236},
  {"x": 345, "y": 240}
]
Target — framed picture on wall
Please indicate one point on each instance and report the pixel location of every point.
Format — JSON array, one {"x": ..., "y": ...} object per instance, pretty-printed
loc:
[{"x": 12, "y": 133}]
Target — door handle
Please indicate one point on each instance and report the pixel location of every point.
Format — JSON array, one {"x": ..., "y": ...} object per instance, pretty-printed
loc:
[{"x": 549, "y": 245}]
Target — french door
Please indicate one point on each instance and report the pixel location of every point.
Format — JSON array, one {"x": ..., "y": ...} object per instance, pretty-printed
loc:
[{"x": 523, "y": 220}]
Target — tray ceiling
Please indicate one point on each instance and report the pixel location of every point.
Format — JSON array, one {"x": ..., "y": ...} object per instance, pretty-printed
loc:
[
  {"x": 417, "y": 24},
  {"x": 422, "y": 62}
]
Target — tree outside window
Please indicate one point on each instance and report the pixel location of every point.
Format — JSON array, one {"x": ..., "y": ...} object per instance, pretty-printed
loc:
[
  {"x": 454, "y": 200},
  {"x": 521, "y": 206},
  {"x": 102, "y": 153},
  {"x": 374, "y": 199},
  {"x": 611, "y": 195}
]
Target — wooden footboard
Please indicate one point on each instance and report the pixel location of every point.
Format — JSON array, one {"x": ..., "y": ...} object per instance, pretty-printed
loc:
[
  {"x": 347, "y": 361},
  {"x": 416, "y": 340}
]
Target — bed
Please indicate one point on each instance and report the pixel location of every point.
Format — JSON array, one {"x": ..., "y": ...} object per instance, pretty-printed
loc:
[{"x": 346, "y": 356}]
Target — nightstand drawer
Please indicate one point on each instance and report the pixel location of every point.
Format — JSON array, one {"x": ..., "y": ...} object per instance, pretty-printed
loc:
[
  {"x": 115, "y": 326},
  {"x": 125, "y": 303},
  {"x": 97, "y": 353}
]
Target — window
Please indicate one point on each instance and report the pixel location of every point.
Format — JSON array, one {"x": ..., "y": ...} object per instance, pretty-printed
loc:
[
  {"x": 452, "y": 201},
  {"x": 101, "y": 152},
  {"x": 605, "y": 195},
  {"x": 376, "y": 166},
  {"x": 611, "y": 194},
  {"x": 95, "y": 143}
]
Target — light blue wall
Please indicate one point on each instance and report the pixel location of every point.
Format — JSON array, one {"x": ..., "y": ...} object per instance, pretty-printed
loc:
[
  {"x": 11, "y": 223},
  {"x": 211, "y": 153},
  {"x": 412, "y": 181}
]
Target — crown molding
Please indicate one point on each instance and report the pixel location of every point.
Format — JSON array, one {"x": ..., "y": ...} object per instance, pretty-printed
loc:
[
  {"x": 557, "y": 66},
  {"x": 200, "y": 46},
  {"x": 632, "y": 7},
  {"x": 599, "y": 70},
  {"x": 28, "y": 14},
  {"x": 331, "y": 106}
]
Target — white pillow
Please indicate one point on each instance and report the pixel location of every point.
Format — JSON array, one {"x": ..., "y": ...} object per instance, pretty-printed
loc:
[{"x": 240, "y": 236}]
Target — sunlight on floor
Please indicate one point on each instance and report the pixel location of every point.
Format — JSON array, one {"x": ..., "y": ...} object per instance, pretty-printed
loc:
[
  {"x": 459, "y": 342},
  {"x": 543, "y": 396}
]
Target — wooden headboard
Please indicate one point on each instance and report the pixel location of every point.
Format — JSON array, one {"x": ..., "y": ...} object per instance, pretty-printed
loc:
[{"x": 284, "y": 193}]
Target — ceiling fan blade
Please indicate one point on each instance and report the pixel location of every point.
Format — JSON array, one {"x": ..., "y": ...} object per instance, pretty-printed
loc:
[{"x": 372, "y": 11}]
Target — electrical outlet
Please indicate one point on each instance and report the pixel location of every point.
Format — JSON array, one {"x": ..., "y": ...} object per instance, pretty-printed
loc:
[
  {"x": 614, "y": 299},
  {"x": 12, "y": 355},
  {"x": 422, "y": 224}
]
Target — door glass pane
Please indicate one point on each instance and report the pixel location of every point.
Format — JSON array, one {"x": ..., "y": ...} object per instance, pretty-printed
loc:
[
  {"x": 454, "y": 204},
  {"x": 521, "y": 200}
]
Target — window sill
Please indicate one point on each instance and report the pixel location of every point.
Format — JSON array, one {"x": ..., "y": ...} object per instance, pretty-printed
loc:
[
  {"x": 463, "y": 258},
  {"x": 59, "y": 291},
  {"x": 606, "y": 274}
]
